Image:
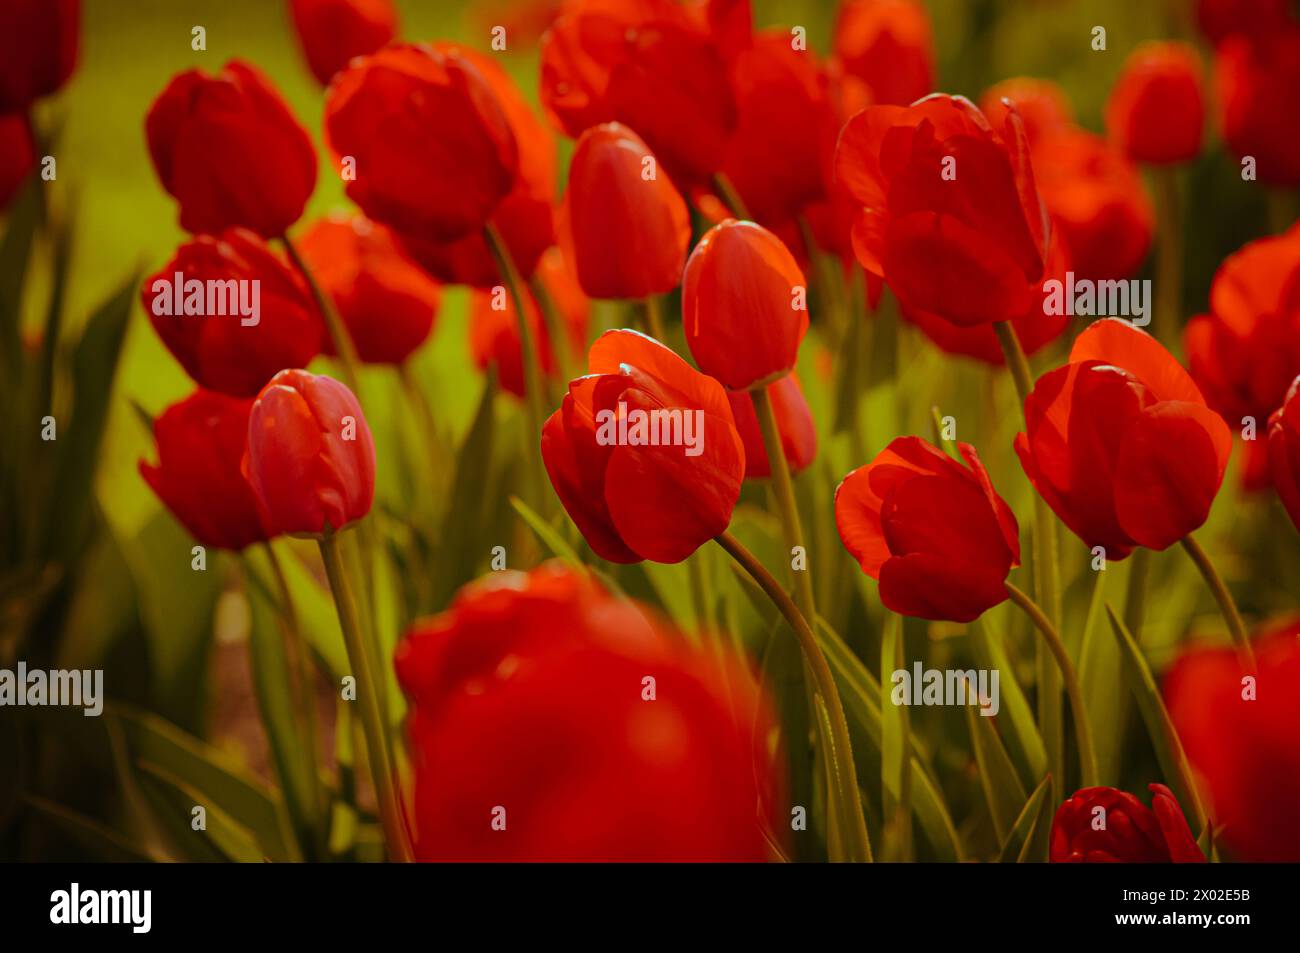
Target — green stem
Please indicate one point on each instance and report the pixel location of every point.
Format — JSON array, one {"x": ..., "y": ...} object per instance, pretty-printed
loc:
[
  {"x": 346, "y": 350},
  {"x": 1169, "y": 256},
  {"x": 1135, "y": 599},
  {"x": 730, "y": 197},
  {"x": 654, "y": 319},
  {"x": 1227, "y": 605},
  {"x": 555, "y": 325}
]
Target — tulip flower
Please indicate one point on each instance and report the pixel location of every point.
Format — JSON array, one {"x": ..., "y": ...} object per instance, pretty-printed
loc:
[
  {"x": 934, "y": 533},
  {"x": 199, "y": 475},
  {"x": 641, "y": 496},
  {"x": 1041, "y": 104},
  {"x": 39, "y": 41},
  {"x": 1156, "y": 110},
  {"x": 387, "y": 301},
  {"x": 1105, "y": 825},
  {"x": 531, "y": 691},
  {"x": 1220, "y": 19},
  {"x": 744, "y": 305},
  {"x": 228, "y": 149},
  {"x": 794, "y": 422},
  {"x": 200, "y": 315},
  {"x": 1239, "y": 734},
  {"x": 430, "y": 145},
  {"x": 332, "y": 32},
  {"x": 1257, "y": 80},
  {"x": 887, "y": 44},
  {"x": 17, "y": 156},
  {"x": 1284, "y": 452}
]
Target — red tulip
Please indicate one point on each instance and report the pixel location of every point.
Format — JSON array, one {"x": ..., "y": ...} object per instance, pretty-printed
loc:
[
  {"x": 17, "y": 156},
  {"x": 217, "y": 344},
  {"x": 1105, "y": 825},
  {"x": 1121, "y": 444},
  {"x": 387, "y": 302},
  {"x": 38, "y": 49},
  {"x": 623, "y": 224},
  {"x": 1042, "y": 105},
  {"x": 332, "y": 32},
  {"x": 1156, "y": 110},
  {"x": 1220, "y": 19},
  {"x": 228, "y": 149},
  {"x": 634, "y": 501},
  {"x": 199, "y": 476},
  {"x": 744, "y": 305},
  {"x": 1246, "y": 351},
  {"x": 1284, "y": 451},
  {"x": 887, "y": 44},
  {"x": 433, "y": 149},
  {"x": 934, "y": 533},
  {"x": 1258, "y": 89},
  {"x": 794, "y": 422},
  {"x": 311, "y": 459},
  {"x": 1240, "y": 738},
  {"x": 949, "y": 215},
  {"x": 534, "y": 693}
]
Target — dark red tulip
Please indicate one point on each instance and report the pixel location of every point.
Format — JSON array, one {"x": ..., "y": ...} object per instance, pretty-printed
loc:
[
  {"x": 433, "y": 149},
  {"x": 1107, "y": 826},
  {"x": 580, "y": 727},
  {"x": 220, "y": 347},
  {"x": 387, "y": 302},
  {"x": 634, "y": 501},
  {"x": 1121, "y": 444},
  {"x": 1156, "y": 110},
  {"x": 199, "y": 474},
  {"x": 39, "y": 40},
  {"x": 1246, "y": 351},
  {"x": 1258, "y": 90},
  {"x": 332, "y": 32},
  {"x": 624, "y": 225},
  {"x": 934, "y": 533},
  {"x": 17, "y": 156},
  {"x": 948, "y": 212},
  {"x": 311, "y": 459},
  {"x": 1284, "y": 452},
  {"x": 1041, "y": 103},
  {"x": 228, "y": 149},
  {"x": 887, "y": 44},
  {"x": 1239, "y": 734},
  {"x": 744, "y": 305},
  {"x": 794, "y": 422},
  {"x": 1220, "y": 19}
]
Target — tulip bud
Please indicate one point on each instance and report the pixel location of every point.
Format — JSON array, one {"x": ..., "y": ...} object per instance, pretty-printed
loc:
[
  {"x": 332, "y": 32},
  {"x": 38, "y": 49},
  {"x": 1157, "y": 109},
  {"x": 794, "y": 422},
  {"x": 1284, "y": 452},
  {"x": 1105, "y": 825},
  {"x": 311, "y": 459},
  {"x": 228, "y": 149}
]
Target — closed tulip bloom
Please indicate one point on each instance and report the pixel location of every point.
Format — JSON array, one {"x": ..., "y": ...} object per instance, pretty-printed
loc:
[
  {"x": 433, "y": 150},
  {"x": 1258, "y": 88},
  {"x": 332, "y": 32},
  {"x": 744, "y": 305},
  {"x": 1284, "y": 452},
  {"x": 1156, "y": 110},
  {"x": 1121, "y": 444},
  {"x": 199, "y": 474},
  {"x": 888, "y": 45},
  {"x": 631, "y": 499},
  {"x": 39, "y": 40},
  {"x": 530, "y": 690},
  {"x": 228, "y": 149},
  {"x": 17, "y": 156},
  {"x": 219, "y": 346},
  {"x": 794, "y": 422},
  {"x": 311, "y": 459},
  {"x": 1107, "y": 826},
  {"x": 1041, "y": 103},
  {"x": 624, "y": 225},
  {"x": 948, "y": 213},
  {"x": 387, "y": 301},
  {"x": 934, "y": 533}
]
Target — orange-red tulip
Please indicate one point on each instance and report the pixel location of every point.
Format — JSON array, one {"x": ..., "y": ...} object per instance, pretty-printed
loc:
[
  {"x": 1258, "y": 88},
  {"x": 332, "y": 32},
  {"x": 1284, "y": 451},
  {"x": 1156, "y": 110},
  {"x": 887, "y": 44},
  {"x": 794, "y": 422},
  {"x": 1041, "y": 103},
  {"x": 38, "y": 49}
]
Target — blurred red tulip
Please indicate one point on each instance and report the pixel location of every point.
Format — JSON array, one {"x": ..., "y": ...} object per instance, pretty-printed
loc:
[
  {"x": 199, "y": 475},
  {"x": 1284, "y": 452},
  {"x": 934, "y": 533},
  {"x": 433, "y": 149},
  {"x": 228, "y": 149},
  {"x": 332, "y": 32},
  {"x": 1156, "y": 110},
  {"x": 1121, "y": 444},
  {"x": 633, "y": 500},
  {"x": 218, "y": 346},
  {"x": 1107, "y": 826},
  {"x": 1239, "y": 733},
  {"x": 39, "y": 40},
  {"x": 623, "y": 223},
  {"x": 794, "y": 422},
  {"x": 1041, "y": 103},
  {"x": 949, "y": 215},
  {"x": 1220, "y": 19},
  {"x": 579, "y": 727},
  {"x": 887, "y": 44},
  {"x": 744, "y": 305},
  {"x": 1258, "y": 87},
  {"x": 311, "y": 459},
  {"x": 1246, "y": 351},
  {"x": 17, "y": 156},
  {"x": 387, "y": 302}
]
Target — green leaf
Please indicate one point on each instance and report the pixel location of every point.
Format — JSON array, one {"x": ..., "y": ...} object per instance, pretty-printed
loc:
[
  {"x": 1024, "y": 742},
  {"x": 895, "y": 743},
  {"x": 1003, "y": 791},
  {"x": 462, "y": 522},
  {"x": 174, "y": 801},
  {"x": 1101, "y": 680},
  {"x": 1022, "y": 831},
  {"x": 547, "y": 533},
  {"x": 89, "y": 834}
]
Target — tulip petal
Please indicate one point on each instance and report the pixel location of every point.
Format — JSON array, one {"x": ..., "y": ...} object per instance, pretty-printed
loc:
[
  {"x": 1116, "y": 341},
  {"x": 930, "y": 586}
]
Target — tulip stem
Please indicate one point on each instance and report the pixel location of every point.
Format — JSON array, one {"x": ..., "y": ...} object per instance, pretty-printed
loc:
[
  {"x": 349, "y": 361},
  {"x": 1227, "y": 605},
  {"x": 730, "y": 197},
  {"x": 843, "y": 798},
  {"x": 1083, "y": 732},
  {"x": 372, "y": 716},
  {"x": 654, "y": 320},
  {"x": 1169, "y": 255},
  {"x": 556, "y": 328}
]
